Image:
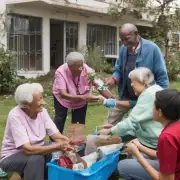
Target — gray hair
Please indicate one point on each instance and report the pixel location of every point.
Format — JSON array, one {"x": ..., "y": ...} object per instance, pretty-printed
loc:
[
  {"x": 24, "y": 93},
  {"x": 128, "y": 27},
  {"x": 74, "y": 57},
  {"x": 143, "y": 75}
]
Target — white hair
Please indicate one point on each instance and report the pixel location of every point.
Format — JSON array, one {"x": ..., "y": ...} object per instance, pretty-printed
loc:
[
  {"x": 74, "y": 57},
  {"x": 24, "y": 93},
  {"x": 143, "y": 75},
  {"x": 129, "y": 27}
]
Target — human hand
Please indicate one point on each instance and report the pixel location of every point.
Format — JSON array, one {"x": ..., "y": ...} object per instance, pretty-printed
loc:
[
  {"x": 90, "y": 98},
  {"x": 93, "y": 98},
  {"x": 101, "y": 98},
  {"x": 104, "y": 131},
  {"x": 136, "y": 142},
  {"x": 110, "y": 82},
  {"x": 132, "y": 149},
  {"x": 110, "y": 103},
  {"x": 64, "y": 146},
  {"x": 106, "y": 126}
]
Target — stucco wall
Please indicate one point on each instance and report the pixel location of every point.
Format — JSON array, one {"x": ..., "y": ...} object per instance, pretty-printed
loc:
[{"x": 47, "y": 12}]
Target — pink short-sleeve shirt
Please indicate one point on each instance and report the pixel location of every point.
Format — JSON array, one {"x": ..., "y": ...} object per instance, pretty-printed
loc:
[
  {"x": 20, "y": 129},
  {"x": 65, "y": 81}
]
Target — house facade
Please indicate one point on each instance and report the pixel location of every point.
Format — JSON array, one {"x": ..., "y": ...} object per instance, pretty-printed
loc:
[{"x": 40, "y": 33}]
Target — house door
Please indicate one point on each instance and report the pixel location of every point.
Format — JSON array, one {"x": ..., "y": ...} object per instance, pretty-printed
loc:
[
  {"x": 64, "y": 39},
  {"x": 56, "y": 43}
]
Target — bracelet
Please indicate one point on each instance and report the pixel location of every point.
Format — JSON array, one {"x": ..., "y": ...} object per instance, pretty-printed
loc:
[{"x": 104, "y": 87}]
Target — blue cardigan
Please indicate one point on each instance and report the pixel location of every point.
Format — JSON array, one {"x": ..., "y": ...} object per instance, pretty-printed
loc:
[{"x": 149, "y": 56}]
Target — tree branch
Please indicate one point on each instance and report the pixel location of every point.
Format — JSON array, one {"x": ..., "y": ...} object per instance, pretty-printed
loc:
[{"x": 159, "y": 2}]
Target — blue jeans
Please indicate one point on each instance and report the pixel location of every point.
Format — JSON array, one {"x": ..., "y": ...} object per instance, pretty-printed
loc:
[{"x": 130, "y": 169}]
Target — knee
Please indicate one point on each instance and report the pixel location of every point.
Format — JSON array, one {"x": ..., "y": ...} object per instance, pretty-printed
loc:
[
  {"x": 36, "y": 160},
  {"x": 122, "y": 169}
]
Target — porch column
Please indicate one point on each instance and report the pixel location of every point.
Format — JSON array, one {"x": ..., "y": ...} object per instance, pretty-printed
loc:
[
  {"x": 46, "y": 44},
  {"x": 118, "y": 41},
  {"x": 82, "y": 35}
]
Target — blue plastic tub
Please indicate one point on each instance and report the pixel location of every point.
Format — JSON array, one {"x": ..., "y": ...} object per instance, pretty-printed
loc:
[{"x": 100, "y": 170}]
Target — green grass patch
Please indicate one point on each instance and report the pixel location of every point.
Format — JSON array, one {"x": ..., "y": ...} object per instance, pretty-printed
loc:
[{"x": 96, "y": 113}]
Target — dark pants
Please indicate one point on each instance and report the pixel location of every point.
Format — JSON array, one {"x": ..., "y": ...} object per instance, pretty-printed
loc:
[
  {"x": 29, "y": 167},
  {"x": 78, "y": 115}
]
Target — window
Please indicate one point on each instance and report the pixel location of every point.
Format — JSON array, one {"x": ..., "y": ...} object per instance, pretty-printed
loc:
[
  {"x": 25, "y": 41},
  {"x": 103, "y": 36},
  {"x": 71, "y": 36},
  {"x": 175, "y": 40}
]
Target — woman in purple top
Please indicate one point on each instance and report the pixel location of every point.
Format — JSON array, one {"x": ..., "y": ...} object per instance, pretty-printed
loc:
[
  {"x": 23, "y": 147},
  {"x": 71, "y": 90}
]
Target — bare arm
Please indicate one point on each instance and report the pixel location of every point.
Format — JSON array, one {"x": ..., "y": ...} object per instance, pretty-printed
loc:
[
  {"x": 150, "y": 152},
  {"x": 58, "y": 137},
  {"x": 153, "y": 172},
  {"x": 132, "y": 148},
  {"x": 124, "y": 104},
  {"x": 68, "y": 96},
  {"x": 29, "y": 149}
]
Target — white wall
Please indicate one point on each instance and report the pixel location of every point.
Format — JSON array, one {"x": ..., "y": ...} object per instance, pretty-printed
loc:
[
  {"x": 87, "y": 4},
  {"x": 48, "y": 12},
  {"x": 91, "y": 3},
  {"x": 3, "y": 35}
]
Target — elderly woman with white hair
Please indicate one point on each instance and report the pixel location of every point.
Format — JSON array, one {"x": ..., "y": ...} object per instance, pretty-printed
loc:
[
  {"x": 140, "y": 121},
  {"x": 23, "y": 148},
  {"x": 71, "y": 90}
]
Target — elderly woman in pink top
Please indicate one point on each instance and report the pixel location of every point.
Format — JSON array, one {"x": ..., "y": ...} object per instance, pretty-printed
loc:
[
  {"x": 23, "y": 147},
  {"x": 71, "y": 90}
]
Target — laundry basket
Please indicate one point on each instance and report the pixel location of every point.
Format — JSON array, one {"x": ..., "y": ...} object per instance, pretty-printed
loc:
[{"x": 100, "y": 170}]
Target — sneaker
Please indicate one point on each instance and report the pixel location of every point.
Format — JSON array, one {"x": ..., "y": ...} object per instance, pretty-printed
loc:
[{"x": 2, "y": 173}]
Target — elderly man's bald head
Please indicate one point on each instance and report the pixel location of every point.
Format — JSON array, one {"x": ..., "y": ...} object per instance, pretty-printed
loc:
[{"x": 128, "y": 28}]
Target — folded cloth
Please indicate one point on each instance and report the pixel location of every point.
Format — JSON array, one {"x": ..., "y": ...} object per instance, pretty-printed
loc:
[
  {"x": 78, "y": 166},
  {"x": 65, "y": 162},
  {"x": 76, "y": 159},
  {"x": 91, "y": 158},
  {"x": 109, "y": 149},
  {"x": 90, "y": 143}
]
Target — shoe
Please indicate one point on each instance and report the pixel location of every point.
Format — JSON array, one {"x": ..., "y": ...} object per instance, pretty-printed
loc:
[{"x": 2, "y": 173}]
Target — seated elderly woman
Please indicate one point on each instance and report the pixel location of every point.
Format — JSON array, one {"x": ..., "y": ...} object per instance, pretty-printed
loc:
[
  {"x": 23, "y": 148},
  {"x": 166, "y": 111},
  {"x": 71, "y": 90},
  {"x": 140, "y": 121}
]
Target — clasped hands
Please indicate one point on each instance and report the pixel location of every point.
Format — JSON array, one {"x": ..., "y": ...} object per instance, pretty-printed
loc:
[
  {"x": 65, "y": 144},
  {"x": 109, "y": 103},
  {"x": 132, "y": 147}
]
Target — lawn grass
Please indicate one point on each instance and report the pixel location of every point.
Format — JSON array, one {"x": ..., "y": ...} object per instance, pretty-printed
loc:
[{"x": 96, "y": 113}]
